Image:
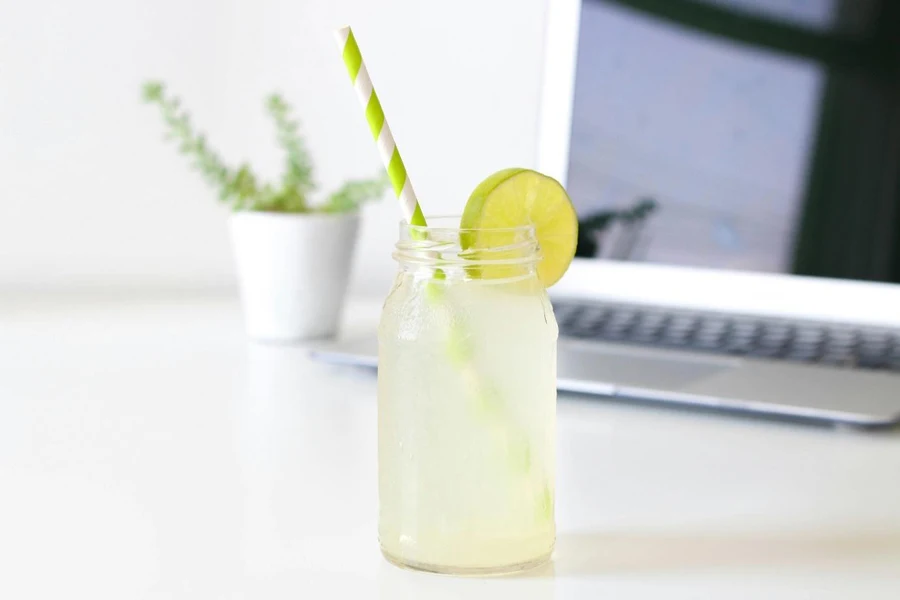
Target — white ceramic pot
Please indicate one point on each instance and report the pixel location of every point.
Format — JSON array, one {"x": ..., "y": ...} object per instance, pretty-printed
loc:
[{"x": 292, "y": 271}]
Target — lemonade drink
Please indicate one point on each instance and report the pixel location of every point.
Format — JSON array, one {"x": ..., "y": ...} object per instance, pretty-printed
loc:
[{"x": 467, "y": 407}]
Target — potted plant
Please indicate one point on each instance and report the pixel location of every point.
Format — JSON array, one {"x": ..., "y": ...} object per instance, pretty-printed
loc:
[{"x": 292, "y": 255}]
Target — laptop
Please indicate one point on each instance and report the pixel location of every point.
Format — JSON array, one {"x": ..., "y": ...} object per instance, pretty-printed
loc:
[{"x": 736, "y": 250}]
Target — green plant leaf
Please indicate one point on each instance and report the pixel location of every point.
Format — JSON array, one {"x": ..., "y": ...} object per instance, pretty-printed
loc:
[
  {"x": 234, "y": 187},
  {"x": 298, "y": 181},
  {"x": 353, "y": 194},
  {"x": 153, "y": 91}
]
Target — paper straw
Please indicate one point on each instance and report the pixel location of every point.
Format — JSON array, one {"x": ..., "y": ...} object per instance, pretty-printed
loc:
[{"x": 390, "y": 155}]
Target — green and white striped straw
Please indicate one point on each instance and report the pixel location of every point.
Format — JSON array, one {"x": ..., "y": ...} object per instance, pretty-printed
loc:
[{"x": 390, "y": 155}]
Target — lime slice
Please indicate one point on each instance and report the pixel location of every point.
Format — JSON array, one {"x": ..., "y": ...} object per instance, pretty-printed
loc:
[{"x": 517, "y": 197}]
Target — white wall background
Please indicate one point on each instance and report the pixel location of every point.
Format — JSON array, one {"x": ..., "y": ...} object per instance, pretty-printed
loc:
[{"x": 93, "y": 197}]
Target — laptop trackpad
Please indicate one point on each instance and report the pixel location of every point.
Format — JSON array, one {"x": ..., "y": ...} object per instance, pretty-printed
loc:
[{"x": 641, "y": 367}]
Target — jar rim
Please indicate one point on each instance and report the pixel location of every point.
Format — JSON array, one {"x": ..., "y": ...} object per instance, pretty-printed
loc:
[{"x": 444, "y": 245}]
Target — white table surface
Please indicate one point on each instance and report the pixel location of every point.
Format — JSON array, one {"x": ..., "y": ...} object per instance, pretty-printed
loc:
[{"x": 148, "y": 451}]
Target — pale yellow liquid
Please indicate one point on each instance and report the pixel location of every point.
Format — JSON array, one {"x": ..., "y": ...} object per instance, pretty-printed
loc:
[{"x": 466, "y": 417}]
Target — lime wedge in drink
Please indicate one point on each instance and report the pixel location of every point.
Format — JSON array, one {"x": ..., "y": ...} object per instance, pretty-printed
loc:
[{"x": 518, "y": 197}]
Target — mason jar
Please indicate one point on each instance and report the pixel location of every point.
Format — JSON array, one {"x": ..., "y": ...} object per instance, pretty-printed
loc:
[{"x": 467, "y": 403}]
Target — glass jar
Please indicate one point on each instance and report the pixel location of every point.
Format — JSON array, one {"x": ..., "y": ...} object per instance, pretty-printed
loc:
[{"x": 467, "y": 403}]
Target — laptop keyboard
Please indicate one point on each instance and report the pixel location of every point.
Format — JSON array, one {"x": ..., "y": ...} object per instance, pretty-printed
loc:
[{"x": 779, "y": 339}]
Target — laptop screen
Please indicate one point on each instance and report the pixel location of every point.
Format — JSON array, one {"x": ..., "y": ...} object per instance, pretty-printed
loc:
[{"x": 705, "y": 134}]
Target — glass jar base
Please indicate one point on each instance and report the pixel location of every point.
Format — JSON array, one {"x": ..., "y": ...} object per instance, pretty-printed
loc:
[{"x": 467, "y": 571}]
